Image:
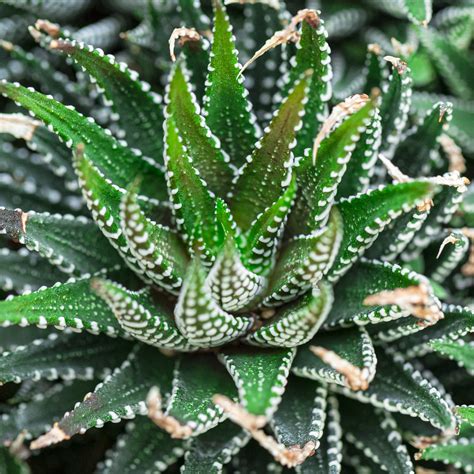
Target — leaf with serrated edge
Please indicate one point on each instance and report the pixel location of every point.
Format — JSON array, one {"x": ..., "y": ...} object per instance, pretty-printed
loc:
[
  {"x": 312, "y": 52},
  {"x": 121, "y": 395},
  {"x": 460, "y": 351},
  {"x": 64, "y": 305},
  {"x": 352, "y": 347},
  {"x": 301, "y": 414},
  {"x": 157, "y": 248},
  {"x": 328, "y": 457},
  {"x": 457, "y": 322},
  {"x": 212, "y": 450},
  {"x": 191, "y": 402},
  {"x": 303, "y": 261},
  {"x": 143, "y": 448},
  {"x": 399, "y": 387},
  {"x": 268, "y": 169},
  {"x": 319, "y": 178},
  {"x": 44, "y": 408},
  {"x": 198, "y": 316},
  {"x": 372, "y": 277},
  {"x": 458, "y": 452},
  {"x": 260, "y": 377},
  {"x": 66, "y": 356},
  {"x": 140, "y": 316},
  {"x": 297, "y": 322},
  {"x": 375, "y": 432},
  {"x": 118, "y": 162},
  {"x": 73, "y": 244},
  {"x": 202, "y": 146},
  {"x": 364, "y": 216},
  {"x": 226, "y": 107},
  {"x": 138, "y": 110}
]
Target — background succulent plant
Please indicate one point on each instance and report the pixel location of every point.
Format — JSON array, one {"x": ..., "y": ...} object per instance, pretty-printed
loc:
[{"x": 265, "y": 274}]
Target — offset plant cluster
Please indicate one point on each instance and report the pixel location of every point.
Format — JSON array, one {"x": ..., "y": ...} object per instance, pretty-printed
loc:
[{"x": 262, "y": 256}]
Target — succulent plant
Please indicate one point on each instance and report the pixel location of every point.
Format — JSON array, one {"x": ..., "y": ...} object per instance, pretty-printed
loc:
[{"x": 256, "y": 292}]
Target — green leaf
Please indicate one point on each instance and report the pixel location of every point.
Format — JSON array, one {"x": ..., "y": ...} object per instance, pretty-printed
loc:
[
  {"x": 457, "y": 322},
  {"x": 396, "y": 101},
  {"x": 463, "y": 113},
  {"x": 375, "y": 68},
  {"x": 376, "y": 434},
  {"x": 119, "y": 163},
  {"x": 61, "y": 9},
  {"x": 328, "y": 457},
  {"x": 37, "y": 416},
  {"x": 455, "y": 67},
  {"x": 73, "y": 244},
  {"x": 12, "y": 337},
  {"x": 25, "y": 271},
  {"x": 319, "y": 178},
  {"x": 399, "y": 387},
  {"x": 233, "y": 286},
  {"x": 158, "y": 249},
  {"x": 226, "y": 107},
  {"x": 372, "y": 277},
  {"x": 466, "y": 413},
  {"x": 203, "y": 148},
  {"x": 198, "y": 316},
  {"x": 312, "y": 52},
  {"x": 260, "y": 376},
  {"x": 191, "y": 402},
  {"x": 460, "y": 351},
  {"x": 361, "y": 166},
  {"x": 413, "y": 155},
  {"x": 267, "y": 171},
  {"x": 9, "y": 464},
  {"x": 139, "y": 111},
  {"x": 352, "y": 345},
  {"x": 212, "y": 450},
  {"x": 303, "y": 261},
  {"x": 419, "y": 12},
  {"x": 64, "y": 305},
  {"x": 103, "y": 198},
  {"x": 66, "y": 356},
  {"x": 120, "y": 395},
  {"x": 140, "y": 316},
  {"x": 297, "y": 322},
  {"x": 457, "y": 451},
  {"x": 142, "y": 448},
  {"x": 364, "y": 216},
  {"x": 264, "y": 236},
  {"x": 193, "y": 203},
  {"x": 301, "y": 414}
]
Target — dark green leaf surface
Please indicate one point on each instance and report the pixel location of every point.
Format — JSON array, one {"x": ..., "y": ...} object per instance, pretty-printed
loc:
[
  {"x": 260, "y": 376},
  {"x": 142, "y": 448},
  {"x": 66, "y": 356},
  {"x": 352, "y": 345},
  {"x": 375, "y": 433},
  {"x": 460, "y": 351},
  {"x": 226, "y": 107},
  {"x": 71, "y": 304},
  {"x": 123, "y": 393},
  {"x": 9, "y": 464}
]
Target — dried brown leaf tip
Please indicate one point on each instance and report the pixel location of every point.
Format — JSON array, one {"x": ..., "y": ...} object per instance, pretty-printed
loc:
[
  {"x": 19, "y": 125},
  {"x": 339, "y": 112},
  {"x": 289, "y": 456},
  {"x": 397, "y": 63},
  {"x": 168, "y": 423},
  {"x": 54, "y": 436},
  {"x": 417, "y": 299},
  {"x": 51, "y": 29},
  {"x": 182, "y": 35},
  {"x": 402, "y": 49},
  {"x": 13, "y": 222},
  {"x": 290, "y": 34},
  {"x": 355, "y": 378},
  {"x": 450, "y": 239},
  {"x": 374, "y": 48}
]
